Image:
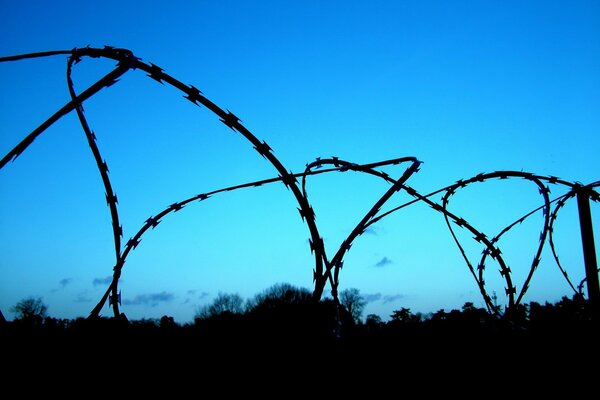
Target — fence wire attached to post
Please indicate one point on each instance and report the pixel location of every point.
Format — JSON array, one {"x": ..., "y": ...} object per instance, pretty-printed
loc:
[{"x": 589, "y": 249}]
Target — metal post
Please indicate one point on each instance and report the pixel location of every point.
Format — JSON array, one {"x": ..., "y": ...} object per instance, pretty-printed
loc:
[{"x": 589, "y": 250}]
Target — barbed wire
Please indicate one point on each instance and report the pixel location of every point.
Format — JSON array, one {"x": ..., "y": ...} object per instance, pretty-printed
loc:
[{"x": 325, "y": 270}]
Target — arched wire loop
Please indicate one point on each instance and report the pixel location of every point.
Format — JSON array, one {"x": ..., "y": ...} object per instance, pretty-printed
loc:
[
  {"x": 126, "y": 61},
  {"x": 337, "y": 262},
  {"x": 492, "y": 249},
  {"x": 560, "y": 204},
  {"x": 153, "y": 221},
  {"x": 111, "y": 197}
]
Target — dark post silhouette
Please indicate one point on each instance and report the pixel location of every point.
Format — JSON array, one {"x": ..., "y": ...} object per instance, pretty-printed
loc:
[{"x": 589, "y": 250}]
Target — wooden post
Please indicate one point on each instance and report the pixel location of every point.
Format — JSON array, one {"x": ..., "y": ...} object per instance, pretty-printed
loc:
[{"x": 589, "y": 250}]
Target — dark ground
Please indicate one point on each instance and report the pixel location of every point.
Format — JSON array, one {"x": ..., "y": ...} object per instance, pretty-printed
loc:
[{"x": 553, "y": 348}]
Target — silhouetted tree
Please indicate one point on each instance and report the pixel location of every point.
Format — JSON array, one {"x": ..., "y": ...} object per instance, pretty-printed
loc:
[
  {"x": 352, "y": 300},
  {"x": 222, "y": 304},
  {"x": 468, "y": 307},
  {"x": 439, "y": 315},
  {"x": 55, "y": 323},
  {"x": 473, "y": 315},
  {"x": 167, "y": 322},
  {"x": 402, "y": 315},
  {"x": 30, "y": 309},
  {"x": 286, "y": 312},
  {"x": 373, "y": 321},
  {"x": 279, "y": 295},
  {"x": 518, "y": 315}
]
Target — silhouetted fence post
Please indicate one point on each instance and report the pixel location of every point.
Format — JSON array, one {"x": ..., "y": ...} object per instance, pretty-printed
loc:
[{"x": 589, "y": 250}]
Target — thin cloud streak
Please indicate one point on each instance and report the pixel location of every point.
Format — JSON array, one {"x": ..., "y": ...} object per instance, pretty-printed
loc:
[
  {"x": 383, "y": 262},
  {"x": 150, "y": 299},
  {"x": 371, "y": 231},
  {"x": 369, "y": 298},
  {"x": 102, "y": 281},
  {"x": 392, "y": 297},
  {"x": 82, "y": 298},
  {"x": 64, "y": 282}
]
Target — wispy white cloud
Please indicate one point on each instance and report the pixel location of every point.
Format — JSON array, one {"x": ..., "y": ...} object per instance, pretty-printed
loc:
[
  {"x": 383, "y": 262},
  {"x": 193, "y": 293},
  {"x": 369, "y": 298},
  {"x": 388, "y": 298},
  {"x": 203, "y": 295},
  {"x": 371, "y": 231},
  {"x": 102, "y": 281},
  {"x": 82, "y": 298},
  {"x": 150, "y": 299},
  {"x": 64, "y": 282}
]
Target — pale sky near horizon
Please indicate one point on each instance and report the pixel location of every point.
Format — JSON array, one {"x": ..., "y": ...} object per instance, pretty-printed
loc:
[{"x": 464, "y": 86}]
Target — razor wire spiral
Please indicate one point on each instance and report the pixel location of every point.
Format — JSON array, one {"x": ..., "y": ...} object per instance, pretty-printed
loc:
[{"x": 326, "y": 270}]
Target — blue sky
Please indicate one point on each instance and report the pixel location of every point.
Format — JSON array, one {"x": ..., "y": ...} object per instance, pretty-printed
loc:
[{"x": 466, "y": 87}]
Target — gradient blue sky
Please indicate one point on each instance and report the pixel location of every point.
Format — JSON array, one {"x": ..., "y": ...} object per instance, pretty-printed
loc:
[{"x": 464, "y": 86}]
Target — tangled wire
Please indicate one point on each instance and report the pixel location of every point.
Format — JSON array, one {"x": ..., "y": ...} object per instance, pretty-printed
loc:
[{"x": 326, "y": 270}]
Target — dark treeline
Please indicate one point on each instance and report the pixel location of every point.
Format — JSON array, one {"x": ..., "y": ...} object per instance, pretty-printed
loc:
[{"x": 284, "y": 329}]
